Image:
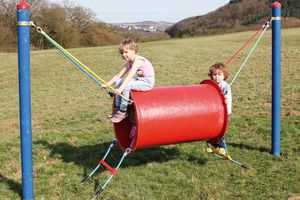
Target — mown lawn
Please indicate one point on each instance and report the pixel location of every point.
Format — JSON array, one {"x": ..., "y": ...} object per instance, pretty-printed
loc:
[{"x": 71, "y": 130}]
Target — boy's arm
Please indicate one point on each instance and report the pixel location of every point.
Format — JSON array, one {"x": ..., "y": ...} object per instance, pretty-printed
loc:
[
  {"x": 228, "y": 94},
  {"x": 228, "y": 98}
]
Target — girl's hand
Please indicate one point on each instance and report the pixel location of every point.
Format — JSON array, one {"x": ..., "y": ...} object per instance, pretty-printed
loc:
[
  {"x": 118, "y": 91},
  {"x": 104, "y": 85}
]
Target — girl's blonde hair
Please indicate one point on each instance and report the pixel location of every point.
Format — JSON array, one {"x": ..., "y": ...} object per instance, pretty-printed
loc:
[
  {"x": 128, "y": 43},
  {"x": 218, "y": 66}
]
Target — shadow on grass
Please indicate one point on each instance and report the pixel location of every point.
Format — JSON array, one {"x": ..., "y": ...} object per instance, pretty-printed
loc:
[
  {"x": 13, "y": 185},
  {"x": 88, "y": 156},
  {"x": 248, "y": 147}
]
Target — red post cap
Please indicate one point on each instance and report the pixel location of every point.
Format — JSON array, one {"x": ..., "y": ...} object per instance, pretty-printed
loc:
[
  {"x": 276, "y": 4},
  {"x": 22, "y": 6}
]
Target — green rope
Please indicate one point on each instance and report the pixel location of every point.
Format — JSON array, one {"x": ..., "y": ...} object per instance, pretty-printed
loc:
[{"x": 248, "y": 56}]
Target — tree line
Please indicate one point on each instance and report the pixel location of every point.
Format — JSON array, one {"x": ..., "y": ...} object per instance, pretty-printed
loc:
[{"x": 69, "y": 25}]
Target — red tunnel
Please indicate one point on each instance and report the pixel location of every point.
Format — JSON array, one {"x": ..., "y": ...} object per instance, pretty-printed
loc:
[{"x": 177, "y": 114}]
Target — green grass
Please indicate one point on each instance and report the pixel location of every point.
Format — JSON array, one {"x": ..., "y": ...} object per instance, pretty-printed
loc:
[{"x": 71, "y": 132}]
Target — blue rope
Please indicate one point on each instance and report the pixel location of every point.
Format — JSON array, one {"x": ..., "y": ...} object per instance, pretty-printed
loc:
[{"x": 80, "y": 67}]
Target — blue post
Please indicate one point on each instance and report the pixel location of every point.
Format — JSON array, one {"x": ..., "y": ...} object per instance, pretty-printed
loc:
[
  {"x": 276, "y": 71},
  {"x": 25, "y": 99}
]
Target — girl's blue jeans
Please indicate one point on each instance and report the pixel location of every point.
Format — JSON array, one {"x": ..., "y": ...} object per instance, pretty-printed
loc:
[{"x": 138, "y": 84}]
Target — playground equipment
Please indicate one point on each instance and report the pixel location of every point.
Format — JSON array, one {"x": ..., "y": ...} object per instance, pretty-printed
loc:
[
  {"x": 170, "y": 115},
  {"x": 25, "y": 99},
  {"x": 175, "y": 114},
  {"x": 156, "y": 122},
  {"x": 276, "y": 77}
]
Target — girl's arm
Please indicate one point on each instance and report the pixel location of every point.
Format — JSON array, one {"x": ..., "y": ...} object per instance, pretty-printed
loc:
[
  {"x": 130, "y": 75},
  {"x": 123, "y": 71}
]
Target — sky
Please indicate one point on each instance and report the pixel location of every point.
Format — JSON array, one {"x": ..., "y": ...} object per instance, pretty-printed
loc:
[{"x": 121, "y": 11}]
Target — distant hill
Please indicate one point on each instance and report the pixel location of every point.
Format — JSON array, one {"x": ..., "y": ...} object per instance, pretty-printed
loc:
[
  {"x": 143, "y": 31},
  {"x": 147, "y": 26},
  {"x": 237, "y": 15}
]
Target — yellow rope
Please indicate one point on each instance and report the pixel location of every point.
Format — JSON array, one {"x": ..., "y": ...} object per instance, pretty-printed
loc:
[{"x": 79, "y": 62}]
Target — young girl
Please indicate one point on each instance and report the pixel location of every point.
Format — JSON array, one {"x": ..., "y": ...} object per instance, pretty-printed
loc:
[
  {"x": 140, "y": 77},
  {"x": 218, "y": 73}
]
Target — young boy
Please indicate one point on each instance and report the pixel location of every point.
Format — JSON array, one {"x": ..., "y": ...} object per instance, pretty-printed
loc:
[{"x": 219, "y": 74}]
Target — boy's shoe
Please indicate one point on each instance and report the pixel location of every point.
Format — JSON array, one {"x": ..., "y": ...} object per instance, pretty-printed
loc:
[
  {"x": 119, "y": 116},
  {"x": 220, "y": 151},
  {"x": 216, "y": 150},
  {"x": 209, "y": 150}
]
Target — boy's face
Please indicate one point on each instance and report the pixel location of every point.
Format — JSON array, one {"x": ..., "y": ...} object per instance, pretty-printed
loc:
[
  {"x": 218, "y": 76},
  {"x": 128, "y": 54}
]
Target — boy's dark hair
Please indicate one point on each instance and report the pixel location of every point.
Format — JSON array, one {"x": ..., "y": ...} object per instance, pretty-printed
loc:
[{"x": 218, "y": 66}]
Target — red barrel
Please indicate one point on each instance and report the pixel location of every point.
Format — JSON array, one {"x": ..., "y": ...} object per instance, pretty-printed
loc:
[{"x": 176, "y": 114}]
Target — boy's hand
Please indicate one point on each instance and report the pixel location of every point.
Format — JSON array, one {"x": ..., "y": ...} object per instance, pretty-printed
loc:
[{"x": 226, "y": 101}]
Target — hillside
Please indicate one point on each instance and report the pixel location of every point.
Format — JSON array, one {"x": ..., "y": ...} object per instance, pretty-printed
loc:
[
  {"x": 72, "y": 26},
  {"x": 237, "y": 15}
]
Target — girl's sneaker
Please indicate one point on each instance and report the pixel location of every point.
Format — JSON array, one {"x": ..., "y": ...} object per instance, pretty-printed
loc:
[
  {"x": 115, "y": 109},
  {"x": 118, "y": 117}
]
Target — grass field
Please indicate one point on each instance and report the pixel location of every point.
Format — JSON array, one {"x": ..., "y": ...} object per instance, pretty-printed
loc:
[{"x": 71, "y": 131}]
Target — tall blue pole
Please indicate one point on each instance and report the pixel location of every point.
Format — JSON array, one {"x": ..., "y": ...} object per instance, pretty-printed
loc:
[
  {"x": 25, "y": 99},
  {"x": 276, "y": 77}
]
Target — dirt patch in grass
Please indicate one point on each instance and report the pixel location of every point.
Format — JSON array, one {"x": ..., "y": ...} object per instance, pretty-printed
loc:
[
  {"x": 292, "y": 113},
  {"x": 295, "y": 197},
  {"x": 9, "y": 125}
]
